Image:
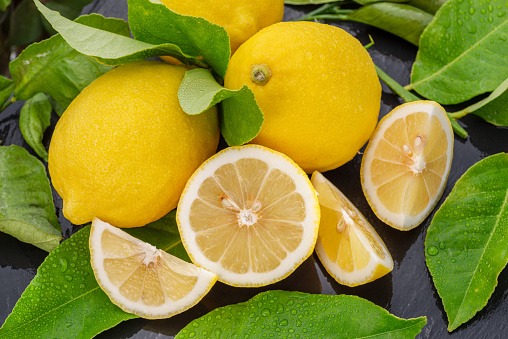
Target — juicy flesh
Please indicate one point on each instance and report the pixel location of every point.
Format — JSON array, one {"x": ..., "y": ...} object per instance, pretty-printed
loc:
[
  {"x": 145, "y": 274},
  {"x": 343, "y": 233},
  {"x": 409, "y": 163},
  {"x": 248, "y": 217}
]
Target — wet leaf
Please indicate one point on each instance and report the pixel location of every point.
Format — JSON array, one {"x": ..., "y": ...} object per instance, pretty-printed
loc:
[
  {"x": 27, "y": 211},
  {"x": 6, "y": 87},
  {"x": 447, "y": 67},
  {"x": 34, "y": 119},
  {"x": 466, "y": 242},
  {"x": 296, "y": 314}
]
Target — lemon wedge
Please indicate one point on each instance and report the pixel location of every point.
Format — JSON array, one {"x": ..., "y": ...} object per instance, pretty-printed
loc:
[
  {"x": 250, "y": 215},
  {"x": 406, "y": 163},
  {"x": 348, "y": 246},
  {"x": 142, "y": 279}
]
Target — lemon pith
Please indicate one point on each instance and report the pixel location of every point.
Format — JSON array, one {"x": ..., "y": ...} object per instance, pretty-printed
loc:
[
  {"x": 142, "y": 279},
  {"x": 250, "y": 215},
  {"x": 406, "y": 164},
  {"x": 348, "y": 246}
]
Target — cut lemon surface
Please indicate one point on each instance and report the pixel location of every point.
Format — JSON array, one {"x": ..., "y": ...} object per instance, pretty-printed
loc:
[
  {"x": 142, "y": 279},
  {"x": 407, "y": 162},
  {"x": 348, "y": 246},
  {"x": 250, "y": 215}
]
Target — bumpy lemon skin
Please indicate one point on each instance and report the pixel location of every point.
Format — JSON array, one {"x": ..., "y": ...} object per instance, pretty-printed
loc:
[
  {"x": 321, "y": 103},
  {"x": 124, "y": 149},
  {"x": 241, "y": 18}
]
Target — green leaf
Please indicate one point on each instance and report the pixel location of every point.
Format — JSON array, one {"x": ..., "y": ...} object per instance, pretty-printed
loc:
[
  {"x": 4, "y": 4},
  {"x": 27, "y": 211},
  {"x": 241, "y": 117},
  {"x": 25, "y": 24},
  {"x": 195, "y": 36},
  {"x": 429, "y": 6},
  {"x": 467, "y": 239},
  {"x": 34, "y": 119},
  {"x": 162, "y": 234},
  {"x": 404, "y": 21},
  {"x": 54, "y": 68},
  {"x": 493, "y": 109},
  {"x": 6, "y": 87},
  {"x": 462, "y": 51},
  {"x": 64, "y": 299},
  {"x": 69, "y": 9},
  {"x": 296, "y": 314},
  {"x": 307, "y": 2},
  {"x": 106, "y": 47}
]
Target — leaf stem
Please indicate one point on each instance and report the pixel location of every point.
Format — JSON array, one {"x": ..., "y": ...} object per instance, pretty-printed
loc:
[
  {"x": 323, "y": 9},
  {"x": 408, "y": 97}
]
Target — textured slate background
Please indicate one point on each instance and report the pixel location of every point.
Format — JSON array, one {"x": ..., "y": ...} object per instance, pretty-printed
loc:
[{"x": 407, "y": 292}]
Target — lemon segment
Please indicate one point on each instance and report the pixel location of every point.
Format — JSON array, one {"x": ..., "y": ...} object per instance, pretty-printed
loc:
[
  {"x": 348, "y": 246},
  {"x": 142, "y": 279},
  {"x": 250, "y": 215},
  {"x": 407, "y": 162}
]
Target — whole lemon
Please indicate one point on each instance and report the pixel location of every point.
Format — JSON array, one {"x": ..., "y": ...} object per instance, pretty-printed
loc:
[
  {"x": 241, "y": 18},
  {"x": 124, "y": 149},
  {"x": 317, "y": 87}
]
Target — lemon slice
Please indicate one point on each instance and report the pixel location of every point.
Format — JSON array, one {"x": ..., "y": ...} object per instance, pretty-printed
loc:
[
  {"x": 348, "y": 246},
  {"x": 142, "y": 279},
  {"x": 250, "y": 215},
  {"x": 407, "y": 162}
]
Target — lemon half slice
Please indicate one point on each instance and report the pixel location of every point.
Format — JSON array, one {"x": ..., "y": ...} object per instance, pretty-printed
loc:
[
  {"x": 142, "y": 279},
  {"x": 348, "y": 246},
  {"x": 250, "y": 215},
  {"x": 407, "y": 162}
]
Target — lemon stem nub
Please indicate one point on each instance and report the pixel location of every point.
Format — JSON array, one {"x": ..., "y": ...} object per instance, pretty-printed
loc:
[{"x": 260, "y": 74}]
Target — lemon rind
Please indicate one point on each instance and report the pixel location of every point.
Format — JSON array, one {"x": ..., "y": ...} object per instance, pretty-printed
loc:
[
  {"x": 205, "y": 281},
  {"x": 400, "y": 221},
  {"x": 275, "y": 160}
]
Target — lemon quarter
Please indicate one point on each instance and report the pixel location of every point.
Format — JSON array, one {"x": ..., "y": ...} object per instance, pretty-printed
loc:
[
  {"x": 142, "y": 279},
  {"x": 407, "y": 162}
]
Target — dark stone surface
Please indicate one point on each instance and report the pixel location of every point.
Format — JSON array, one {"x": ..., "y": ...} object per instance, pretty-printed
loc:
[{"x": 406, "y": 292}]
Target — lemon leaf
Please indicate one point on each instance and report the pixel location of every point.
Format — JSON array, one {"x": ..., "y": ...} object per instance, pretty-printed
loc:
[
  {"x": 106, "y": 47},
  {"x": 6, "y": 87},
  {"x": 446, "y": 68},
  {"x": 294, "y": 314},
  {"x": 241, "y": 117},
  {"x": 466, "y": 241},
  {"x": 34, "y": 118},
  {"x": 65, "y": 301},
  {"x": 56, "y": 69},
  {"x": 195, "y": 36},
  {"x": 27, "y": 211}
]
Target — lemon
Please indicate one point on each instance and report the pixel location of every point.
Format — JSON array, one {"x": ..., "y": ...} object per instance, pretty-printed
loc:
[
  {"x": 241, "y": 18},
  {"x": 124, "y": 149},
  {"x": 407, "y": 162},
  {"x": 348, "y": 246},
  {"x": 250, "y": 215},
  {"x": 317, "y": 87},
  {"x": 142, "y": 279}
]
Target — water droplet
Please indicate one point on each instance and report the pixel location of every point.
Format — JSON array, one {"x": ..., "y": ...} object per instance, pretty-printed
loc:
[
  {"x": 291, "y": 302},
  {"x": 265, "y": 312},
  {"x": 68, "y": 324},
  {"x": 63, "y": 265},
  {"x": 283, "y": 322},
  {"x": 453, "y": 260},
  {"x": 68, "y": 277},
  {"x": 442, "y": 245},
  {"x": 432, "y": 250},
  {"x": 192, "y": 334},
  {"x": 298, "y": 323},
  {"x": 82, "y": 286},
  {"x": 472, "y": 29},
  {"x": 460, "y": 22},
  {"x": 472, "y": 10},
  {"x": 501, "y": 14},
  {"x": 491, "y": 8},
  {"x": 84, "y": 262},
  {"x": 280, "y": 309}
]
